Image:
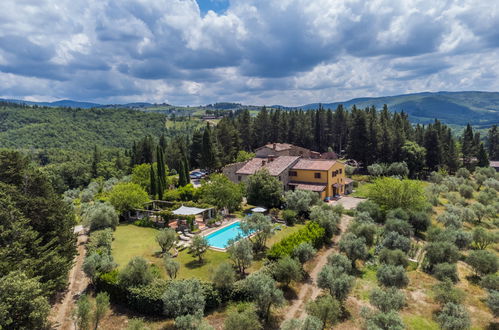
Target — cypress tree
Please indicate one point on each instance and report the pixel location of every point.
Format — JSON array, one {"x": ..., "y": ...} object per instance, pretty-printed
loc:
[
  {"x": 95, "y": 161},
  {"x": 153, "y": 183},
  {"x": 468, "y": 146}
]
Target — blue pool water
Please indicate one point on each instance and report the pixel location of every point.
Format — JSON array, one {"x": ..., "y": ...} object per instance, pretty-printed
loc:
[{"x": 220, "y": 238}]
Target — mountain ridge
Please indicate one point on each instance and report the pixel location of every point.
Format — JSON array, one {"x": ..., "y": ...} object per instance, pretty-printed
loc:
[{"x": 476, "y": 107}]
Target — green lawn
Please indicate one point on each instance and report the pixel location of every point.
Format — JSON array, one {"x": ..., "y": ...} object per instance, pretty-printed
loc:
[
  {"x": 361, "y": 190},
  {"x": 131, "y": 240}
]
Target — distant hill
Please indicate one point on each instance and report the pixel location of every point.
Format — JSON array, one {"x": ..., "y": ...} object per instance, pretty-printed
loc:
[{"x": 478, "y": 108}]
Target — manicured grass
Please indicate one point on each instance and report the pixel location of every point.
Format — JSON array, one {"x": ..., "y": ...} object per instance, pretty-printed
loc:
[
  {"x": 130, "y": 241},
  {"x": 190, "y": 267}
]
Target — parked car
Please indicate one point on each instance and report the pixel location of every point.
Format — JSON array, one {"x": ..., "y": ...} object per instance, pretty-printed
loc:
[{"x": 196, "y": 175}]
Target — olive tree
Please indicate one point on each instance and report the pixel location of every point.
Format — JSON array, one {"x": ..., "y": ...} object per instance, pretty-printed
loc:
[
  {"x": 325, "y": 308},
  {"x": 304, "y": 252},
  {"x": 136, "y": 273},
  {"x": 166, "y": 238},
  {"x": 260, "y": 226},
  {"x": 354, "y": 247},
  {"x": 390, "y": 299},
  {"x": 263, "y": 292},
  {"x": 454, "y": 317},
  {"x": 483, "y": 262},
  {"x": 241, "y": 254},
  {"x": 338, "y": 284},
  {"x": 243, "y": 316},
  {"x": 183, "y": 297},
  {"x": 199, "y": 246},
  {"x": 286, "y": 270},
  {"x": 172, "y": 267},
  {"x": 392, "y": 276},
  {"x": 100, "y": 216}
]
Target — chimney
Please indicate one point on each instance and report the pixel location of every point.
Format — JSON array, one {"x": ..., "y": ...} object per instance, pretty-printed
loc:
[
  {"x": 263, "y": 163},
  {"x": 275, "y": 146},
  {"x": 271, "y": 159}
]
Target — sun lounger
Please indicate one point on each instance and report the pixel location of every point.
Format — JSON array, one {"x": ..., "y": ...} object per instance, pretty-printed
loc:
[
  {"x": 184, "y": 238},
  {"x": 189, "y": 235}
]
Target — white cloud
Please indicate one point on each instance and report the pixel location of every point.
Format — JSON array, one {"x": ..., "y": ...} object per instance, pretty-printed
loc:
[{"x": 258, "y": 51}]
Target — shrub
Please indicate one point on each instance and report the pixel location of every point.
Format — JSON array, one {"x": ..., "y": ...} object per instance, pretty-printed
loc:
[
  {"x": 466, "y": 191},
  {"x": 392, "y": 276},
  {"x": 493, "y": 302},
  {"x": 147, "y": 299},
  {"x": 304, "y": 252},
  {"x": 243, "y": 316},
  {"x": 445, "y": 271},
  {"x": 454, "y": 317},
  {"x": 446, "y": 292},
  {"x": 390, "y": 193},
  {"x": 490, "y": 282},
  {"x": 172, "y": 267},
  {"x": 388, "y": 299},
  {"x": 397, "y": 213},
  {"x": 312, "y": 233},
  {"x": 290, "y": 217},
  {"x": 463, "y": 173},
  {"x": 372, "y": 209},
  {"x": 100, "y": 241},
  {"x": 393, "y": 257}
]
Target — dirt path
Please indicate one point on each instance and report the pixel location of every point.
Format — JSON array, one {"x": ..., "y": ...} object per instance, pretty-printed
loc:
[
  {"x": 60, "y": 315},
  {"x": 310, "y": 290}
]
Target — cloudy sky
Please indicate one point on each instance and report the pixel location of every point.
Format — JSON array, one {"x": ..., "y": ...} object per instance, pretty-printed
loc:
[{"x": 288, "y": 52}]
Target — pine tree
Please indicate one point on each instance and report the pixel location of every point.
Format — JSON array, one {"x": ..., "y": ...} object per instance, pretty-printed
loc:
[
  {"x": 433, "y": 148},
  {"x": 483, "y": 159}
]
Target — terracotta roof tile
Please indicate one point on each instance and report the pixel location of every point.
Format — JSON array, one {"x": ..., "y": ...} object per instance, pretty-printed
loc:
[
  {"x": 275, "y": 167},
  {"x": 314, "y": 164},
  {"x": 308, "y": 186}
]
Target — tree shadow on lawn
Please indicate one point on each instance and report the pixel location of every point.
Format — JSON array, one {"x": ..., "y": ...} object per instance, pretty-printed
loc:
[
  {"x": 195, "y": 264},
  {"x": 289, "y": 292}
]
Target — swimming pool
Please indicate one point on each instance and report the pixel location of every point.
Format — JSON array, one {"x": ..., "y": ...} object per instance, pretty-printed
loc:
[{"x": 221, "y": 237}]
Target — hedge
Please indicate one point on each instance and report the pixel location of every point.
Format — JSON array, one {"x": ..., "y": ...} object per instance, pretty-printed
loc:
[
  {"x": 147, "y": 299},
  {"x": 312, "y": 233}
]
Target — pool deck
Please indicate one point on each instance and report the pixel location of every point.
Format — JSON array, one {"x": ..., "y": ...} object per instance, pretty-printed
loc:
[{"x": 214, "y": 229}]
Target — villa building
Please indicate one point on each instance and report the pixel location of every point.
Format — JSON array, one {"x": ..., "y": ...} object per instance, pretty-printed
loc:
[{"x": 296, "y": 168}]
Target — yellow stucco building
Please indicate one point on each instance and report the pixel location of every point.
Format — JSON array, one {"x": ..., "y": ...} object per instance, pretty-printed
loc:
[{"x": 324, "y": 176}]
